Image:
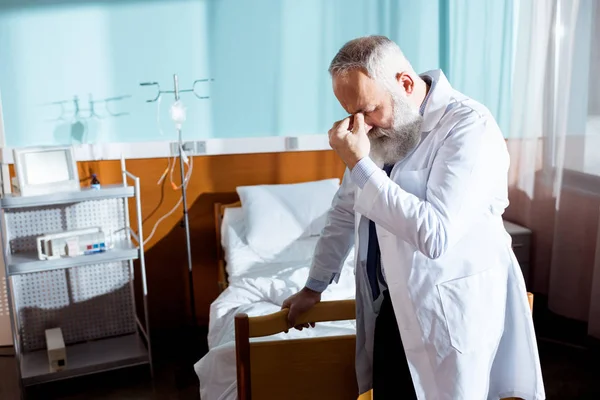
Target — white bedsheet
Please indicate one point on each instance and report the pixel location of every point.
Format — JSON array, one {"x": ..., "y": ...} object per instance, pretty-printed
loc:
[{"x": 259, "y": 291}]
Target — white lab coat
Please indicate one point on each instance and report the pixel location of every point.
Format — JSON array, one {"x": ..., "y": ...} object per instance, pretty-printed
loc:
[{"x": 456, "y": 287}]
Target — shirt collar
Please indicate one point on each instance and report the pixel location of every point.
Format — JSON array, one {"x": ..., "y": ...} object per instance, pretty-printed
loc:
[
  {"x": 437, "y": 99},
  {"x": 430, "y": 83}
]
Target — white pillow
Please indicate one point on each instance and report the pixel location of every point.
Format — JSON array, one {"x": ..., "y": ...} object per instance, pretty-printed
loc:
[
  {"x": 241, "y": 259},
  {"x": 277, "y": 215}
]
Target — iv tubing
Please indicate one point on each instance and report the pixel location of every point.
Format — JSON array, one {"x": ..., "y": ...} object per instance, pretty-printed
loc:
[
  {"x": 161, "y": 219},
  {"x": 169, "y": 171}
]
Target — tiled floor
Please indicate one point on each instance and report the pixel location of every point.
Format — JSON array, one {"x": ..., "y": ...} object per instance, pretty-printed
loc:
[{"x": 571, "y": 371}]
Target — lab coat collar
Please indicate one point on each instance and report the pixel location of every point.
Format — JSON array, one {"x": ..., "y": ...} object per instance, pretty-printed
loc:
[{"x": 439, "y": 98}]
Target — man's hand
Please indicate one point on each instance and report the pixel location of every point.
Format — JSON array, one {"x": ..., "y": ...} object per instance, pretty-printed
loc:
[
  {"x": 300, "y": 303},
  {"x": 350, "y": 145}
]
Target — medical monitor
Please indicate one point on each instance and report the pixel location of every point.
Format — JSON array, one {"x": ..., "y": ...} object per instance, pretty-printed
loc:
[{"x": 43, "y": 170}]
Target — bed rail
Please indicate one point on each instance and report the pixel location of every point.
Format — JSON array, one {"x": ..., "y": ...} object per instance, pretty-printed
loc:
[{"x": 325, "y": 311}]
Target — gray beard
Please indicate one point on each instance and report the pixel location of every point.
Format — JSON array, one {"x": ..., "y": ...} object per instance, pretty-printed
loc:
[{"x": 388, "y": 146}]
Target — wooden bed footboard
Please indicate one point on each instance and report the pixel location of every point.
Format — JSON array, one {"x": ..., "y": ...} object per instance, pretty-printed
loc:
[{"x": 313, "y": 368}]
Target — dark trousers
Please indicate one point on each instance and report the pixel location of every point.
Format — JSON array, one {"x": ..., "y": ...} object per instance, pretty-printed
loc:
[{"x": 391, "y": 376}]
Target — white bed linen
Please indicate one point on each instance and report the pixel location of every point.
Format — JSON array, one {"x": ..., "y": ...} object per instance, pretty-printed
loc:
[{"x": 259, "y": 287}]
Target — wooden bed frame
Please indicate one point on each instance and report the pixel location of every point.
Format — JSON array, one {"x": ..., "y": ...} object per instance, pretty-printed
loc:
[
  {"x": 295, "y": 369},
  {"x": 313, "y": 368},
  {"x": 222, "y": 271}
]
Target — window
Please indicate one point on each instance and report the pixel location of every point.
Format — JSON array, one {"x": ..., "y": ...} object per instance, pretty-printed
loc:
[{"x": 582, "y": 139}]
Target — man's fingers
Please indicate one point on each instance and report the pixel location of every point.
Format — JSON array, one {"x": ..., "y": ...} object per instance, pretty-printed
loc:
[
  {"x": 335, "y": 127},
  {"x": 291, "y": 316},
  {"x": 340, "y": 124},
  {"x": 344, "y": 124},
  {"x": 302, "y": 326},
  {"x": 312, "y": 324},
  {"x": 359, "y": 122},
  {"x": 339, "y": 131}
]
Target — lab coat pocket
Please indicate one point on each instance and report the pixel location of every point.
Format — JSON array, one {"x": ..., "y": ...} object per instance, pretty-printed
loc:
[
  {"x": 414, "y": 182},
  {"x": 473, "y": 308}
]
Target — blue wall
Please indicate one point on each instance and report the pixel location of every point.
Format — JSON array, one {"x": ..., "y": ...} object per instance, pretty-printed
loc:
[
  {"x": 269, "y": 59},
  {"x": 54, "y": 53}
]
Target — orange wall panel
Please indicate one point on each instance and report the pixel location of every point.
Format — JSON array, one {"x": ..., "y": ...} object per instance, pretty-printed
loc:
[{"x": 214, "y": 179}]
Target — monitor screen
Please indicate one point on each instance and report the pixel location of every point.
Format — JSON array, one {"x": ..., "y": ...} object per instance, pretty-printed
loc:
[{"x": 47, "y": 167}]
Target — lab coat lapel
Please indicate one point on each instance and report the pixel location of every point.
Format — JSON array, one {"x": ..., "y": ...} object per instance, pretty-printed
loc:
[{"x": 438, "y": 100}]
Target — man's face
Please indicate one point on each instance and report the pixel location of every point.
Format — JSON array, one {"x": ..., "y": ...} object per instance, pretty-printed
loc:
[
  {"x": 358, "y": 93},
  {"x": 393, "y": 121}
]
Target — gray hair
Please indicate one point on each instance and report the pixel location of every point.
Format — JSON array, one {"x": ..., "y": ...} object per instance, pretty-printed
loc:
[{"x": 372, "y": 54}]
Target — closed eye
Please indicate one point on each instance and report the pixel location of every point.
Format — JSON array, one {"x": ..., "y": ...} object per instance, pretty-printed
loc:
[{"x": 370, "y": 110}]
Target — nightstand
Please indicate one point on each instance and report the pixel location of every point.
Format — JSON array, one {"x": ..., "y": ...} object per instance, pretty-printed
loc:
[{"x": 521, "y": 244}]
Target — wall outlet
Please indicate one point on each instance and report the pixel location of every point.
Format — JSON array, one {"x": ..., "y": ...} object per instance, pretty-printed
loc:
[
  {"x": 191, "y": 148},
  {"x": 291, "y": 143},
  {"x": 201, "y": 147}
]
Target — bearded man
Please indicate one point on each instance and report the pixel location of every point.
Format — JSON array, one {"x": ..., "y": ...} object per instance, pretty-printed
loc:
[{"x": 441, "y": 304}]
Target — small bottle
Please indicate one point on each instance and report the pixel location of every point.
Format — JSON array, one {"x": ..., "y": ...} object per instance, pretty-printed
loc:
[{"x": 95, "y": 184}]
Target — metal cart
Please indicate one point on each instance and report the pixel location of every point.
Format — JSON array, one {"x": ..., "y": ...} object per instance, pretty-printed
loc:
[{"x": 90, "y": 297}]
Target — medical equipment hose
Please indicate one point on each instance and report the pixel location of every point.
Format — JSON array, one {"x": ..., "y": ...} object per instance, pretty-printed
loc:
[{"x": 161, "y": 219}]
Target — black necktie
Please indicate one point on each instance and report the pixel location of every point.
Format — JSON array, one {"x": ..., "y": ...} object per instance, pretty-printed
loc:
[{"x": 373, "y": 252}]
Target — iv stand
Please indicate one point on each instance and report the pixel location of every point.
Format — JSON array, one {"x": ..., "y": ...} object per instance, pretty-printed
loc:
[
  {"x": 186, "y": 221},
  {"x": 185, "y": 212}
]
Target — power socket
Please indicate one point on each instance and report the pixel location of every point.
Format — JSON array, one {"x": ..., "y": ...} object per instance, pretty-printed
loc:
[
  {"x": 291, "y": 143},
  {"x": 200, "y": 147},
  {"x": 191, "y": 148}
]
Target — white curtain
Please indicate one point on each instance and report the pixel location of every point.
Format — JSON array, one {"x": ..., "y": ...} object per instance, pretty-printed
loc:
[
  {"x": 593, "y": 139},
  {"x": 555, "y": 174}
]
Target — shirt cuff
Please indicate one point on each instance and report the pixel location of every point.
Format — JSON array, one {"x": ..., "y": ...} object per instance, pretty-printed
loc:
[
  {"x": 315, "y": 285},
  {"x": 362, "y": 171}
]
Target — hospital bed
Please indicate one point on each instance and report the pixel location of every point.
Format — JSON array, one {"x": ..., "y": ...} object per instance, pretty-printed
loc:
[
  {"x": 259, "y": 360},
  {"x": 255, "y": 287}
]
